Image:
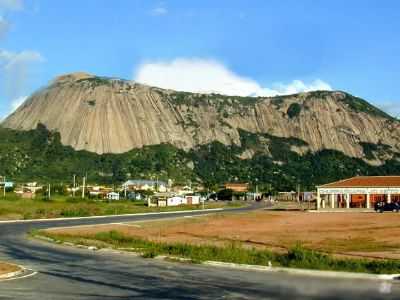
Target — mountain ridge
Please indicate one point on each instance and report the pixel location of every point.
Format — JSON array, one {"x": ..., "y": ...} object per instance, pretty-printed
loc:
[{"x": 110, "y": 115}]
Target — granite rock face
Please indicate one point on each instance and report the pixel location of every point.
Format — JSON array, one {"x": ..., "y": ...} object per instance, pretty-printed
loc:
[{"x": 106, "y": 115}]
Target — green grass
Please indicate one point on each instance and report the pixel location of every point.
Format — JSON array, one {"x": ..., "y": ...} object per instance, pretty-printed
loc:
[
  {"x": 296, "y": 257},
  {"x": 14, "y": 208}
]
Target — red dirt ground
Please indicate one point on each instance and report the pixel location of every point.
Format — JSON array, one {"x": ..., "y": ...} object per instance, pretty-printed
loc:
[{"x": 350, "y": 234}]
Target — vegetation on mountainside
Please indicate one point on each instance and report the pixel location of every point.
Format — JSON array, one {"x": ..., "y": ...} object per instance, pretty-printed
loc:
[
  {"x": 38, "y": 155},
  {"x": 360, "y": 105},
  {"x": 96, "y": 81},
  {"x": 294, "y": 110},
  {"x": 375, "y": 151},
  {"x": 282, "y": 168},
  {"x": 192, "y": 99}
]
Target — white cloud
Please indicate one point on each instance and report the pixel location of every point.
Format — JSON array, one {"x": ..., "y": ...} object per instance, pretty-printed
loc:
[
  {"x": 15, "y": 70},
  {"x": 10, "y": 60},
  {"x": 160, "y": 10},
  {"x": 6, "y": 5},
  {"x": 210, "y": 76}
]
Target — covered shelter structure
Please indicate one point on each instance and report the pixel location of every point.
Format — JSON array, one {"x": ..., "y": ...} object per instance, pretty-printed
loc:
[{"x": 359, "y": 192}]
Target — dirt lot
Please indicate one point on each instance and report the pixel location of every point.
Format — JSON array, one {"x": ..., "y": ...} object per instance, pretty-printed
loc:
[
  {"x": 7, "y": 268},
  {"x": 350, "y": 234}
]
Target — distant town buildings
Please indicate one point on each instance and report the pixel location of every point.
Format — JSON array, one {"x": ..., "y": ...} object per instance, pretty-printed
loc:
[
  {"x": 145, "y": 185},
  {"x": 172, "y": 199}
]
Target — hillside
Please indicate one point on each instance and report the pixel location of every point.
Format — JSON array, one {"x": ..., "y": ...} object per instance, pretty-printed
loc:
[
  {"x": 112, "y": 130},
  {"x": 38, "y": 155},
  {"x": 105, "y": 115}
]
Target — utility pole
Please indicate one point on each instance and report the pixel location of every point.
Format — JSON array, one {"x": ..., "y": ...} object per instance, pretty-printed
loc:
[
  {"x": 298, "y": 193},
  {"x": 49, "y": 192},
  {"x": 73, "y": 188},
  {"x": 4, "y": 190},
  {"x": 83, "y": 188},
  {"x": 256, "y": 190}
]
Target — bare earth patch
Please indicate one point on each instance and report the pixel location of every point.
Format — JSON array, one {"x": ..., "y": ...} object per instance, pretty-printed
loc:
[
  {"x": 6, "y": 268},
  {"x": 349, "y": 234}
]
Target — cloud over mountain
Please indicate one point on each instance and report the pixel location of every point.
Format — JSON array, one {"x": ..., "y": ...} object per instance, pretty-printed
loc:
[{"x": 210, "y": 76}]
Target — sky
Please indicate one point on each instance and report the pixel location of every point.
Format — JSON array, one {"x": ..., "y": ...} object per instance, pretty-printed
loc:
[{"x": 256, "y": 48}]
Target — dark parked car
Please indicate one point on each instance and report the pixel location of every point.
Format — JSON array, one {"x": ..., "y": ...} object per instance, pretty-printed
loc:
[{"x": 383, "y": 206}]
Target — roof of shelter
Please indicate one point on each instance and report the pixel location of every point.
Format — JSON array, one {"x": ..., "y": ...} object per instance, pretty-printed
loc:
[{"x": 365, "y": 181}]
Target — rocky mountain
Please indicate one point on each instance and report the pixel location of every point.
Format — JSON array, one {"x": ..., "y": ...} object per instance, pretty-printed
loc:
[{"x": 107, "y": 115}]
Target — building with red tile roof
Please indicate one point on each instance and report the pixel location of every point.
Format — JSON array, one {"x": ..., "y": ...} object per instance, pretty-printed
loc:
[{"x": 358, "y": 192}]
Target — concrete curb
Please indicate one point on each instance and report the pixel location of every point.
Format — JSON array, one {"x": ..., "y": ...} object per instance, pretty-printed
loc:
[
  {"x": 244, "y": 267},
  {"x": 307, "y": 272},
  {"x": 351, "y": 210},
  {"x": 112, "y": 216}
]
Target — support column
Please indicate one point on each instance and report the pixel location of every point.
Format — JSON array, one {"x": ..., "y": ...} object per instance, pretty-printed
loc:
[
  {"x": 368, "y": 201},
  {"x": 347, "y": 200},
  {"x": 318, "y": 199},
  {"x": 389, "y": 199},
  {"x": 323, "y": 202},
  {"x": 333, "y": 198}
]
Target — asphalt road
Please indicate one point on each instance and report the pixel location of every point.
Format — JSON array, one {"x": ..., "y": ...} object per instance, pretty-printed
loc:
[{"x": 69, "y": 273}]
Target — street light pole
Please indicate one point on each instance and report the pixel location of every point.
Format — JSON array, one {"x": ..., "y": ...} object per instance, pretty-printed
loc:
[
  {"x": 73, "y": 188},
  {"x": 83, "y": 188}
]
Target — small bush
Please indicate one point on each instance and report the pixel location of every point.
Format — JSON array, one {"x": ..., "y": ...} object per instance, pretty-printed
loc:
[{"x": 294, "y": 110}]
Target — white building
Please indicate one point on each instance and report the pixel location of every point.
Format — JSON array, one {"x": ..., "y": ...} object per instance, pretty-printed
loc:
[
  {"x": 113, "y": 196},
  {"x": 359, "y": 192},
  {"x": 192, "y": 200},
  {"x": 175, "y": 201}
]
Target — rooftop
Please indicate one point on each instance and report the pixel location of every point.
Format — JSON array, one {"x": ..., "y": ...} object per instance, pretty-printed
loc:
[{"x": 365, "y": 181}]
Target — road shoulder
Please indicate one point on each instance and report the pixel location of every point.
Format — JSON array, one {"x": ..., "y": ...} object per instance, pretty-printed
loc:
[{"x": 243, "y": 267}]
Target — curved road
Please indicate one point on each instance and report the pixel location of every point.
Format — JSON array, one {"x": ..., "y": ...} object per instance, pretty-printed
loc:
[{"x": 69, "y": 273}]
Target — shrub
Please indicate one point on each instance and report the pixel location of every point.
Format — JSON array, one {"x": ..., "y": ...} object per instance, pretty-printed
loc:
[{"x": 294, "y": 110}]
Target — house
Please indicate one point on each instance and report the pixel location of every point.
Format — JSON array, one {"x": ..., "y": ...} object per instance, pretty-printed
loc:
[
  {"x": 176, "y": 200},
  {"x": 32, "y": 187},
  {"x": 28, "y": 190},
  {"x": 112, "y": 196},
  {"x": 172, "y": 199},
  {"x": 359, "y": 192},
  {"x": 192, "y": 199},
  {"x": 159, "y": 199},
  {"x": 145, "y": 185},
  {"x": 134, "y": 196},
  {"x": 99, "y": 191}
]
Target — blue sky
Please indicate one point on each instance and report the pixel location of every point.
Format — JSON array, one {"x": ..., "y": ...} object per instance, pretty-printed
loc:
[{"x": 236, "y": 47}]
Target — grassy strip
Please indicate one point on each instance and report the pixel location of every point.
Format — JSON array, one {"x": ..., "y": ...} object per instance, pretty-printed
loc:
[
  {"x": 13, "y": 208},
  {"x": 297, "y": 257}
]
